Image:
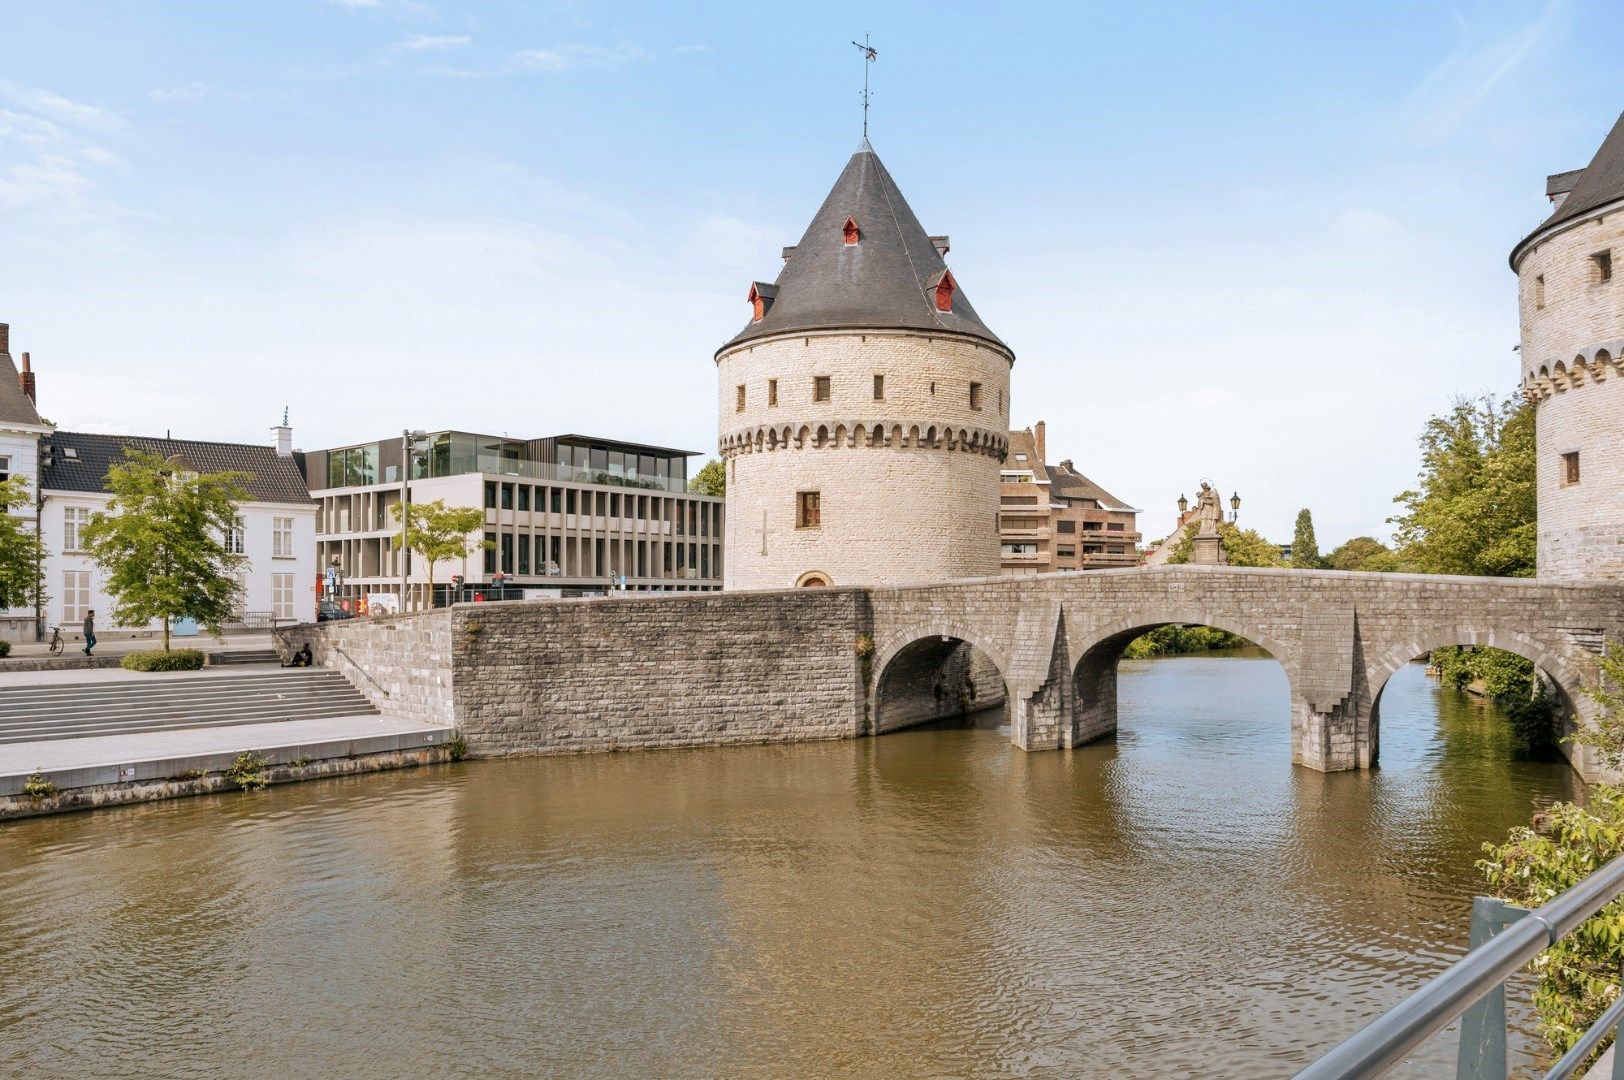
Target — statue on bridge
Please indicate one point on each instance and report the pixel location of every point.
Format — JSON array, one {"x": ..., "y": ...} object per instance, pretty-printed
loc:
[
  {"x": 1207, "y": 547},
  {"x": 1209, "y": 512}
]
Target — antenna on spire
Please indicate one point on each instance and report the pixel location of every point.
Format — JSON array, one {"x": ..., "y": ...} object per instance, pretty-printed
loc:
[
  {"x": 284, "y": 416},
  {"x": 869, "y": 56}
]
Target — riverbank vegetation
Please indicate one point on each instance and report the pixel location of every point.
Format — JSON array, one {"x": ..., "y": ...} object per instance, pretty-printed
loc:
[
  {"x": 1513, "y": 684},
  {"x": 1578, "y": 977},
  {"x": 1172, "y": 640}
]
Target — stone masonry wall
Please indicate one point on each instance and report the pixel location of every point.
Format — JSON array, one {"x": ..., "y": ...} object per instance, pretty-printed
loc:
[
  {"x": 1573, "y": 370},
  {"x": 402, "y": 663},
  {"x": 890, "y": 514},
  {"x": 658, "y": 671}
]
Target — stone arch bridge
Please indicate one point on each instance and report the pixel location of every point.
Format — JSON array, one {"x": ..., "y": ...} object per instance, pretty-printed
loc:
[{"x": 706, "y": 669}]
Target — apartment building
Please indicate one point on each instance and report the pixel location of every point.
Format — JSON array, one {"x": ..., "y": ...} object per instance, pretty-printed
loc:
[
  {"x": 570, "y": 515},
  {"x": 1052, "y": 517}
]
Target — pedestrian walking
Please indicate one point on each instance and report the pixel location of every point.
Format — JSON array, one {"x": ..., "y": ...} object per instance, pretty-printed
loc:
[{"x": 90, "y": 632}]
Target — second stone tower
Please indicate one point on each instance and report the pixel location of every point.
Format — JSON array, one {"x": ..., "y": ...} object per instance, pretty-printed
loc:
[{"x": 864, "y": 408}]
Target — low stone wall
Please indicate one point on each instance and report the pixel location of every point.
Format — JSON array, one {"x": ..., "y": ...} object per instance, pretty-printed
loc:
[
  {"x": 100, "y": 795},
  {"x": 660, "y": 671},
  {"x": 402, "y": 663}
]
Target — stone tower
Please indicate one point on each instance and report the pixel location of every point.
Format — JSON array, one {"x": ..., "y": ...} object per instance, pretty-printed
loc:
[
  {"x": 1570, "y": 275},
  {"x": 864, "y": 410}
]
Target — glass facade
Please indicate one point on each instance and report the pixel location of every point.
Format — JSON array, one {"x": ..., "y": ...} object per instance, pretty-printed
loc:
[{"x": 454, "y": 453}]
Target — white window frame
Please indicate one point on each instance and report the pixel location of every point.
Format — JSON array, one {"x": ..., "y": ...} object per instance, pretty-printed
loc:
[
  {"x": 5, "y": 467},
  {"x": 282, "y": 596},
  {"x": 235, "y": 537},
  {"x": 75, "y": 596},
  {"x": 74, "y": 518},
  {"x": 282, "y": 538}
]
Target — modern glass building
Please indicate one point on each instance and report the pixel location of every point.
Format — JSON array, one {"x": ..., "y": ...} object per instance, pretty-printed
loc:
[{"x": 570, "y": 515}]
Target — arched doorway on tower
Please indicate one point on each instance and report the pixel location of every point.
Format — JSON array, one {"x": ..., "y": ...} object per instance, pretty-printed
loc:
[{"x": 813, "y": 579}]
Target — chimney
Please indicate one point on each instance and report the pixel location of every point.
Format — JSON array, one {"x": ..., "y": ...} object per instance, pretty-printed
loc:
[
  {"x": 941, "y": 244},
  {"x": 5, "y": 337},
  {"x": 25, "y": 378},
  {"x": 1038, "y": 443},
  {"x": 284, "y": 437}
]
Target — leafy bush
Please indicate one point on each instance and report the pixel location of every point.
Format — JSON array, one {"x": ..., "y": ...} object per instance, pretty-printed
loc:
[
  {"x": 178, "y": 660},
  {"x": 1513, "y": 684},
  {"x": 248, "y": 771},
  {"x": 1175, "y": 640},
  {"x": 5, "y": 649},
  {"x": 458, "y": 746},
  {"x": 1579, "y": 975},
  {"x": 38, "y": 787}
]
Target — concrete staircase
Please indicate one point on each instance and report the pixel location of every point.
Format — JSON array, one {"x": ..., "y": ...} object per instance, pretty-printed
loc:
[
  {"x": 244, "y": 656},
  {"x": 126, "y": 706}
]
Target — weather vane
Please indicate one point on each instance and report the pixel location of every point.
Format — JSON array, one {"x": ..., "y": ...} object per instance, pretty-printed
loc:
[{"x": 869, "y": 56}]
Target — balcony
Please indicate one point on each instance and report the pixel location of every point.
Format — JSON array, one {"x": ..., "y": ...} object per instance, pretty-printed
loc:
[{"x": 1026, "y": 558}]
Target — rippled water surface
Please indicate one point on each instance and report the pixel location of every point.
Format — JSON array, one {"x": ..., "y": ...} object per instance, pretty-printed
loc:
[{"x": 1181, "y": 902}]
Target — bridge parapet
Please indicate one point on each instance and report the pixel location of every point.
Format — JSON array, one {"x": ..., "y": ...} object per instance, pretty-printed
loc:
[{"x": 677, "y": 670}]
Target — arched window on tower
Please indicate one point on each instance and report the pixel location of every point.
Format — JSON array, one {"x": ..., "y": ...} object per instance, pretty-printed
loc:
[{"x": 851, "y": 231}]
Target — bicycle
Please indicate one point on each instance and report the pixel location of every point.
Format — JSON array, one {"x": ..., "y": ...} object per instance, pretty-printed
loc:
[{"x": 56, "y": 641}]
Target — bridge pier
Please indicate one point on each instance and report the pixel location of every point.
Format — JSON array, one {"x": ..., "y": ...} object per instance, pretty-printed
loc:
[{"x": 1328, "y": 741}]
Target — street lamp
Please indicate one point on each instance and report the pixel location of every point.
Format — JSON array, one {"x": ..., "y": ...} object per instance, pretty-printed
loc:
[
  {"x": 407, "y": 438},
  {"x": 1184, "y": 504},
  {"x": 1235, "y": 506}
]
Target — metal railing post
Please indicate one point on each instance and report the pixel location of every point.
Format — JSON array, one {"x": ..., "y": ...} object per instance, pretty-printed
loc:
[{"x": 1482, "y": 1053}]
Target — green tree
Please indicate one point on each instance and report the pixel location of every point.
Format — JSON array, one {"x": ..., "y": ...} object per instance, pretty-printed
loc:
[
  {"x": 1364, "y": 553},
  {"x": 1305, "y": 553},
  {"x": 1473, "y": 510},
  {"x": 21, "y": 554},
  {"x": 1244, "y": 547},
  {"x": 161, "y": 542},
  {"x": 437, "y": 532},
  {"x": 710, "y": 480}
]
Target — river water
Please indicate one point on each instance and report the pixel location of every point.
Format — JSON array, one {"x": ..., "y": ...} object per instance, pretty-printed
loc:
[{"x": 932, "y": 903}]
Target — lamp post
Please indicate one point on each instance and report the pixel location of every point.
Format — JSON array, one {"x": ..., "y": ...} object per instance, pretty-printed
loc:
[
  {"x": 407, "y": 437},
  {"x": 1235, "y": 507},
  {"x": 1184, "y": 504}
]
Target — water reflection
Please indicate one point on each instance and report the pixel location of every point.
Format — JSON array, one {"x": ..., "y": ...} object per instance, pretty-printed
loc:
[{"x": 1180, "y": 901}]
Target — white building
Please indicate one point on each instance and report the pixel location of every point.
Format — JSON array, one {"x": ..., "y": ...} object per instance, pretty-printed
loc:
[
  {"x": 20, "y": 432},
  {"x": 68, "y": 471}
]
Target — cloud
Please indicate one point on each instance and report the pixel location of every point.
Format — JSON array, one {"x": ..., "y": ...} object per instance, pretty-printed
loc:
[
  {"x": 43, "y": 159},
  {"x": 578, "y": 57},
  {"x": 57, "y": 107},
  {"x": 423, "y": 42},
  {"x": 167, "y": 95},
  {"x": 1485, "y": 56}
]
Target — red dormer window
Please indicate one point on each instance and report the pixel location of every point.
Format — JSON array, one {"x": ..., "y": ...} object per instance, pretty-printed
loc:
[
  {"x": 944, "y": 291},
  {"x": 761, "y": 299},
  {"x": 851, "y": 231}
]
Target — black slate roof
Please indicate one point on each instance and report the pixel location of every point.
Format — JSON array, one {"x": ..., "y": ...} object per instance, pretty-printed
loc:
[
  {"x": 1599, "y": 183},
  {"x": 15, "y": 408},
  {"x": 884, "y": 281},
  {"x": 272, "y": 478}
]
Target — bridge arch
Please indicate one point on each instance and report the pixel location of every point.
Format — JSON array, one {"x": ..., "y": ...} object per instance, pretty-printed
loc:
[
  {"x": 933, "y": 671},
  {"x": 1555, "y": 666},
  {"x": 1094, "y": 665}
]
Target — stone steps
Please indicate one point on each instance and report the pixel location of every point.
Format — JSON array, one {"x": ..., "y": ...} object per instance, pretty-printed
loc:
[{"x": 122, "y": 707}]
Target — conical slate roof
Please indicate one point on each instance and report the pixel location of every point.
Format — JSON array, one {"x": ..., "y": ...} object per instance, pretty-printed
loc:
[
  {"x": 887, "y": 280},
  {"x": 1599, "y": 183}
]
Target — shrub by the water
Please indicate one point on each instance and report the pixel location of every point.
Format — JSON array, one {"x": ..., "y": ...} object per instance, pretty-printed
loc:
[
  {"x": 1513, "y": 684},
  {"x": 177, "y": 660},
  {"x": 1579, "y": 975}
]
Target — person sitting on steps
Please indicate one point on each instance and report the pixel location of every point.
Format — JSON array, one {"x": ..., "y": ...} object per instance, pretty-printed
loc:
[{"x": 302, "y": 658}]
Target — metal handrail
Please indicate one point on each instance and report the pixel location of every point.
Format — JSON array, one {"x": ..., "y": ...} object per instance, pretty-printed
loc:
[
  {"x": 364, "y": 672},
  {"x": 1384, "y": 1042}
]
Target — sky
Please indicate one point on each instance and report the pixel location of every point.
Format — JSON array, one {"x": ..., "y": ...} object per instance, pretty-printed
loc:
[{"x": 1259, "y": 243}]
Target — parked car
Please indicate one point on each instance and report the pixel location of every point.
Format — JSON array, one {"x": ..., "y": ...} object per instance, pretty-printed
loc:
[{"x": 332, "y": 610}]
